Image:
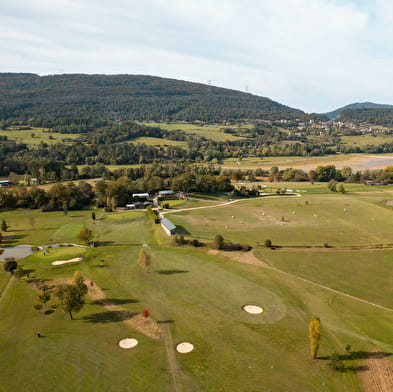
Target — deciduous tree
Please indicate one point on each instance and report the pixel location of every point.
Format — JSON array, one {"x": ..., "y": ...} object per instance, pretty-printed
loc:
[
  {"x": 70, "y": 298},
  {"x": 315, "y": 335},
  {"x": 144, "y": 259}
]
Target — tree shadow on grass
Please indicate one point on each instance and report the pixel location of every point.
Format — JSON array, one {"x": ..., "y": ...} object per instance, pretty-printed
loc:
[
  {"x": 115, "y": 301},
  {"x": 165, "y": 321},
  {"x": 100, "y": 266},
  {"x": 109, "y": 316},
  {"x": 171, "y": 272},
  {"x": 104, "y": 243},
  {"x": 353, "y": 355}
]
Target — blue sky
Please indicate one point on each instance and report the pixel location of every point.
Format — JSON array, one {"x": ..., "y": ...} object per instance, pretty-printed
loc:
[{"x": 315, "y": 55}]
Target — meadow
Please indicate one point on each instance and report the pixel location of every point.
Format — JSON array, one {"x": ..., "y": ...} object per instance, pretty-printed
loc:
[
  {"x": 197, "y": 296},
  {"x": 209, "y": 131},
  {"x": 33, "y": 137}
]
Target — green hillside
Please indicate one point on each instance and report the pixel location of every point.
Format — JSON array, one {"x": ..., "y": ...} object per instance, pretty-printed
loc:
[{"x": 132, "y": 97}]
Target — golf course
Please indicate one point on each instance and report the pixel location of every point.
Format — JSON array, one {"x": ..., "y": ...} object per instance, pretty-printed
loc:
[{"x": 332, "y": 257}]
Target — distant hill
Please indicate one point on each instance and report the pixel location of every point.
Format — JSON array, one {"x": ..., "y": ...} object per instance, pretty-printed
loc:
[
  {"x": 382, "y": 117},
  {"x": 358, "y": 105},
  {"x": 132, "y": 97}
]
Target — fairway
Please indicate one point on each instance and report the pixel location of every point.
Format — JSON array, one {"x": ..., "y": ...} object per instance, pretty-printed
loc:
[
  {"x": 312, "y": 220},
  {"x": 198, "y": 297}
]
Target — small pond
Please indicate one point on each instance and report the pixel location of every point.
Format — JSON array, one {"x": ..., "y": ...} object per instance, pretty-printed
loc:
[
  {"x": 17, "y": 252},
  {"x": 21, "y": 251}
]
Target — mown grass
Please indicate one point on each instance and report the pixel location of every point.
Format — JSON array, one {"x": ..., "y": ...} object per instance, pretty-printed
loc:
[
  {"x": 314, "y": 220},
  {"x": 40, "y": 136},
  {"x": 209, "y": 131},
  {"x": 198, "y": 297}
]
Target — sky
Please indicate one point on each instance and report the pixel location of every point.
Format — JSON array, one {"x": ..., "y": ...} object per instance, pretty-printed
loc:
[{"x": 314, "y": 55}]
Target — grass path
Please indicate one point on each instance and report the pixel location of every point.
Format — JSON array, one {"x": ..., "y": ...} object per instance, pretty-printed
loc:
[
  {"x": 173, "y": 366},
  {"x": 4, "y": 288},
  {"x": 253, "y": 260}
]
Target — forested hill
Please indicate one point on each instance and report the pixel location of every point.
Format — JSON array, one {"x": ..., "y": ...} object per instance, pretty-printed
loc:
[
  {"x": 132, "y": 97},
  {"x": 358, "y": 105},
  {"x": 372, "y": 116}
]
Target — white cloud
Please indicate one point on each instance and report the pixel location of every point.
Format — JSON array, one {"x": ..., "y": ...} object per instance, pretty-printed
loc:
[{"x": 311, "y": 54}]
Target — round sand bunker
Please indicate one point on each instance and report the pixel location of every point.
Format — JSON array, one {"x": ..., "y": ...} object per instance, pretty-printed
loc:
[
  {"x": 184, "y": 347},
  {"x": 59, "y": 262},
  {"x": 253, "y": 309},
  {"x": 128, "y": 343}
]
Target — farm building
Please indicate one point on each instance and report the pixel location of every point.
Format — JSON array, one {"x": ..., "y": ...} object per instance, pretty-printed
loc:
[
  {"x": 167, "y": 194},
  {"x": 140, "y": 195},
  {"x": 139, "y": 205},
  {"x": 5, "y": 183},
  {"x": 168, "y": 226}
]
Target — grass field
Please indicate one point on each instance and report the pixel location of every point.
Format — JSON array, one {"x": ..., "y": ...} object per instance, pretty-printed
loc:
[
  {"x": 154, "y": 141},
  {"x": 40, "y": 135},
  {"x": 312, "y": 220},
  {"x": 355, "y": 161},
  {"x": 209, "y": 131},
  {"x": 363, "y": 140},
  {"x": 196, "y": 296}
]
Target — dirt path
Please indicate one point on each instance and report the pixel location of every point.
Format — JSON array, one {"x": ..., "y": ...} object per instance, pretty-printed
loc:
[
  {"x": 173, "y": 366},
  {"x": 379, "y": 374},
  {"x": 249, "y": 258}
]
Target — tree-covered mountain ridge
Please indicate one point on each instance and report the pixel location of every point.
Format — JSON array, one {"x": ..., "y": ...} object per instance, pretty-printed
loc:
[
  {"x": 336, "y": 114},
  {"x": 131, "y": 97}
]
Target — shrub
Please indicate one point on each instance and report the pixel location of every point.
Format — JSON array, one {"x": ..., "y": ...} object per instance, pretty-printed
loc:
[
  {"x": 218, "y": 242},
  {"x": 268, "y": 243}
]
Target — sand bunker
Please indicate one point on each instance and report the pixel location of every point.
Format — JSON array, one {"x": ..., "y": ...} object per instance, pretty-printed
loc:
[
  {"x": 253, "y": 309},
  {"x": 59, "y": 262},
  {"x": 184, "y": 347},
  {"x": 128, "y": 343}
]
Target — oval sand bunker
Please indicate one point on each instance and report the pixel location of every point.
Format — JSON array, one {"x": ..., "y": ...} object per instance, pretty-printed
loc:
[
  {"x": 128, "y": 343},
  {"x": 59, "y": 262},
  {"x": 253, "y": 309},
  {"x": 184, "y": 347}
]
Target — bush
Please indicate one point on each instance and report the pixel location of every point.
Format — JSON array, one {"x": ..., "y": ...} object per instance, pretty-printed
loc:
[
  {"x": 10, "y": 265},
  {"x": 218, "y": 242},
  {"x": 195, "y": 243},
  {"x": 268, "y": 243}
]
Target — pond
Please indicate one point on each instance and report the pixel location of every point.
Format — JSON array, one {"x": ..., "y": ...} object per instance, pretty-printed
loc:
[
  {"x": 17, "y": 252},
  {"x": 21, "y": 251}
]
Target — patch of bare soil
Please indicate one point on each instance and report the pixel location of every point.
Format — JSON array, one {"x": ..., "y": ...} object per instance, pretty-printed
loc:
[
  {"x": 145, "y": 325},
  {"x": 379, "y": 374},
  {"x": 242, "y": 257}
]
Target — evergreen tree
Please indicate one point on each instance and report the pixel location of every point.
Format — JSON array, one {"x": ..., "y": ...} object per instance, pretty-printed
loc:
[{"x": 4, "y": 226}]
